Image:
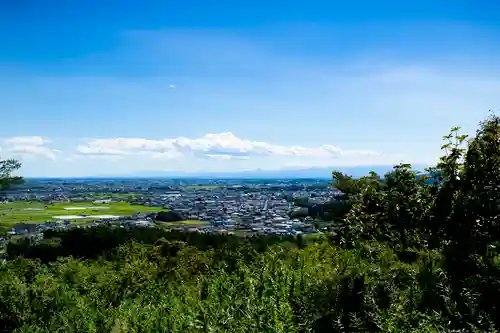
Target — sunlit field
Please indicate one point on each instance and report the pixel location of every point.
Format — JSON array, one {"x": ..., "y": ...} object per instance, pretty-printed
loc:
[{"x": 27, "y": 211}]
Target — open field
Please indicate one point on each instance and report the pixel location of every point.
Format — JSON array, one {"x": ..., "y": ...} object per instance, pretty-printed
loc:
[
  {"x": 185, "y": 223},
  {"x": 193, "y": 222},
  {"x": 25, "y": 211},
  {"x": 114, "y": 196},
  {"x": 207, "y": 187},
  {"x": 317, "y": 236}
]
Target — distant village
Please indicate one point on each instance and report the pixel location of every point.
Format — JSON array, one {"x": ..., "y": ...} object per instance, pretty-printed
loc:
[{"x": 209, "y": 206}]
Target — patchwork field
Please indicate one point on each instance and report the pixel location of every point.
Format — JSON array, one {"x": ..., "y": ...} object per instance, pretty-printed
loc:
[{"x": 22, "y": 211}]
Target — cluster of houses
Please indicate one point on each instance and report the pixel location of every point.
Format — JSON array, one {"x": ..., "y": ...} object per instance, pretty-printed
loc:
[{"x": 261, "y": 209}]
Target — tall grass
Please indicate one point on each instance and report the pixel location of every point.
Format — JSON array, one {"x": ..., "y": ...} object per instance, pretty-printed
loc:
[{"x": 144, "y": 288}]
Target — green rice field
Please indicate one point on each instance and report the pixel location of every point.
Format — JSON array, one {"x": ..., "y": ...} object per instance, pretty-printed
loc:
[
  {"x": 193, "y": 223},
  {"x": 26, "y": 211}
]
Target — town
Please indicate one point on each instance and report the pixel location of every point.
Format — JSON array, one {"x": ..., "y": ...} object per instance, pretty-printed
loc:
[{"x": 271, "y": 207}]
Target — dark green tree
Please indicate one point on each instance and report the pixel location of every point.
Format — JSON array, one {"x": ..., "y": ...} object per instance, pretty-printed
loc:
[
  {"x": 7, "y": 168},
  {"x": 7, "y": 179},
  {"x": 468, "y": 215}
]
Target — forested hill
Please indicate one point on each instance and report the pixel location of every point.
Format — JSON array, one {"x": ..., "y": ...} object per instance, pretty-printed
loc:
[{"x": 411, "y": 255}]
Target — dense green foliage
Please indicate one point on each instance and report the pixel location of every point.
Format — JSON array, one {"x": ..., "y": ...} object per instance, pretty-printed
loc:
[
  {"x": 7, "y": 168},
  {"x": 169, "y": 216},
  {"x": 412, "y": 255}
]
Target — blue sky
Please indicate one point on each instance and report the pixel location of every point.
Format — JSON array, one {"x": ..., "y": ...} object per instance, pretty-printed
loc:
[{"x": 117, "y": 87}]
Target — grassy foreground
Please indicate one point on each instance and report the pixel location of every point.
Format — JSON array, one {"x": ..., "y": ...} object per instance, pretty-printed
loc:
[
  {"x": 27, "y": 211},
  {"x": 174, "y": 282}
]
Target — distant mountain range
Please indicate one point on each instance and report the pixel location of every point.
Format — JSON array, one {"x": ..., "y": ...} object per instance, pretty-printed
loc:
[{"x": 315, "y": 173}]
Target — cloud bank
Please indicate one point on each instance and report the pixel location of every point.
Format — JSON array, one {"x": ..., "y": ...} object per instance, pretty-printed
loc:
[
  {"x": 22, "y": 146},
  {"x": 217, "y": 146},
  {"x": 213, "y": 152}
]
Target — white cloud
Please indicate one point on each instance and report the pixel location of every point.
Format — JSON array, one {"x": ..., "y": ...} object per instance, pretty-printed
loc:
[
  {"x": 124, "y": 146},
  {"x": 165, "y": 155},
  {"x": 95, "y": 149},
  {"x": 25, "y": 140},
  {"x": 33, "y": 150},
  {"x": 216, "y": 146},
  {"x": 28, "y": 145},
  {"x": 225, "y": 157}
]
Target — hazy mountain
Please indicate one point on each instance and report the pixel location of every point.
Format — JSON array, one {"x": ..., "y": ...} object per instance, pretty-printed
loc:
[{"x": 355, "y": 171}]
